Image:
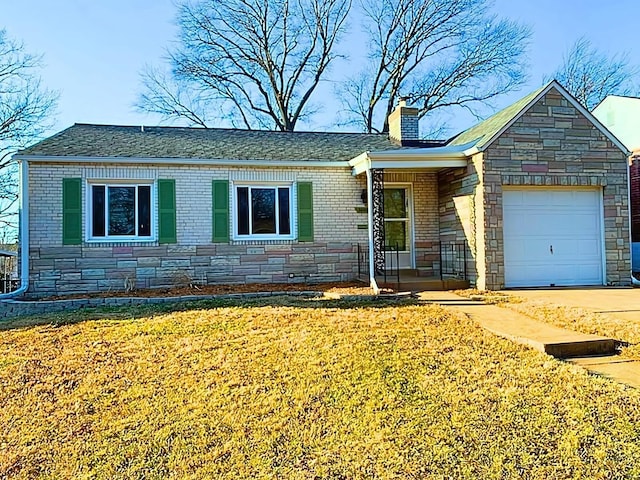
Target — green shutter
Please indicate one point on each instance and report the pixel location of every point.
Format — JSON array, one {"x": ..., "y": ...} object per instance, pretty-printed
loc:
[
  {"x": 71, "y": 211},
  {"x": 220, "y": 192},
  {"x": 167, "y": 211},
  {"x": 305, "y": 212}
]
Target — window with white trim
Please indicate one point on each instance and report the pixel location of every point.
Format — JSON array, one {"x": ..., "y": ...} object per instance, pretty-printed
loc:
[
  {"x": 263, "y": 212},
  {"x": 120, "y": 211}
]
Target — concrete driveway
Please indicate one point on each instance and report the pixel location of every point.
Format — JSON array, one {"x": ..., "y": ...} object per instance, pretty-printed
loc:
[{"x": 621, "y": 303}]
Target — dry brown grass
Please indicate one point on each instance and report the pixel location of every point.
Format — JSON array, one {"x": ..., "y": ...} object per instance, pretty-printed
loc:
[{"x": 301, "y": 389}]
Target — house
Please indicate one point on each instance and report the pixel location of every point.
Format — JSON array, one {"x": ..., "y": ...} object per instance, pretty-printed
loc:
[
  {"x": 621, "y": 115},
  {"x": 535, "y": 195}
]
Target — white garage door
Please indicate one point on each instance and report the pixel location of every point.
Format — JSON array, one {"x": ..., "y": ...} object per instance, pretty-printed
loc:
[{"x": 552, "y": 237}]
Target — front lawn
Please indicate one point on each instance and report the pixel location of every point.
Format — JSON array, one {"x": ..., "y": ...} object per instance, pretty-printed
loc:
[{"x": 301, "y": 389}]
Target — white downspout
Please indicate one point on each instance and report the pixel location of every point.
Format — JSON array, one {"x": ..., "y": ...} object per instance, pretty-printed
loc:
[
  {"x": 634, "y": 281},
  {"x": 372, "y": 267},
  {"x": 23, "y": 232}
]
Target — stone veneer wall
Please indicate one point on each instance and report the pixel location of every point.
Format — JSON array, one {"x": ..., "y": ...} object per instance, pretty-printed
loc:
[
  {"x": 460, "y": 209},
  {"x": 554, "y": 145},
  {"x": 79, "y": 269},
  {"x": 551, "y": 145},
  {"x": 339, "y": 223}
]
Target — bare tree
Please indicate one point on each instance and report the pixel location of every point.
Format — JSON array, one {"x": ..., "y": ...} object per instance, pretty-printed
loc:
[
  {"x": 24, "y": 113},
  {"x": 438, "y": 53},
  {"x": 590, "y": 75},
  {"x": 255, "y": 63}
]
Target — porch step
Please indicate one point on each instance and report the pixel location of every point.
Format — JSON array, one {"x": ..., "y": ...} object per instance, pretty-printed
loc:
[{"x": 422, "y": 284}]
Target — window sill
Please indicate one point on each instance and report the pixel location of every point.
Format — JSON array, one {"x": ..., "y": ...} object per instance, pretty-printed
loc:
[
  {"x": 121, "y": 240},
  {"x": 263, "y": 238}
]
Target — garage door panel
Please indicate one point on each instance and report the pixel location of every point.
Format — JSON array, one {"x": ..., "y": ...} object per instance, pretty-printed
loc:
[
  {"x": 521, "y": 249},
  {"x": 589, "y": 247},
  {"x": 586, "y": 199},
  {"x": 535, "y": 276},
  {"x": 569, "y": 220}
]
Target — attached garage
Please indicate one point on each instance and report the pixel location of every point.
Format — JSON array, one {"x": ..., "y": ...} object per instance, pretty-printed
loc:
[{"x": 553, "y": 236}]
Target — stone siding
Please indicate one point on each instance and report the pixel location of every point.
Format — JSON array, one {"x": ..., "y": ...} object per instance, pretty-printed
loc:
[
  {"x": 460, "y": 210},
  {"x": 84, "y": 269},
  {"x": 19, "y": 308},
  {"x": 554, "y": 145}
]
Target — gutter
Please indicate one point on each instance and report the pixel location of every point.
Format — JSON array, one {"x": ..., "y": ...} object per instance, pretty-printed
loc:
[
  {"x": 182, "y": 161},
  {"x": 23, "y": 232}
]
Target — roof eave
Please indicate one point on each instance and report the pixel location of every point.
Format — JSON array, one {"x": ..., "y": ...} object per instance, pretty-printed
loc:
[
  {"x": 182, "y": 161},
  {"x": 416, "y": 159}
]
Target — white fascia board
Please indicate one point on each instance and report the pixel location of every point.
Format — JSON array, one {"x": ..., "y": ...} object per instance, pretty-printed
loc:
[
  {"x": 420, "y": 164},
  {"x": 448, "y": 152},
  {"x": 181, "y": 161},
  {"x": 414, "y": 158},
  {"x": 360, "y": 164}
]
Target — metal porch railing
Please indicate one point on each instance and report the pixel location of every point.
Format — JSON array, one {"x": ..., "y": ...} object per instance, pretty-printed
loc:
[
  {"x": 392, "y": 263},
  {"x": 453, "y": 260},
  {"x": 9, "y": 285}
]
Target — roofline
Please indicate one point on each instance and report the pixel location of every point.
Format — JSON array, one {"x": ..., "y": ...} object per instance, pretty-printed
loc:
[
  {"x": 628, "y": 97},
  {"x": 180, "y": 161},
  {"x": 563, "y": 91},
  {"x": 418, "y": 158},
  {"x": 140, "y": 128}
]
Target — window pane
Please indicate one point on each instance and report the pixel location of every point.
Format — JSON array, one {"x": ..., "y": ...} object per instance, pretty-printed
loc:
[
  {"x": 394, "y": 203},
  {"x": 285, "y": 215},
  {"x": 243, "y": 211},
  {"x": 97, "y": 197},
  {"x": 263, "y": 206},
  {"x": 144, "y": 211},
  {"x": 395, "y": 233},
  {"x": 122, "y": 211}
]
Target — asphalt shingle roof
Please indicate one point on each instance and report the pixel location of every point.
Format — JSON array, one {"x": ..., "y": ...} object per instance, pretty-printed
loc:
[
  {"x": 484, "y": 131},
  {"x": 85, "y": 140}
]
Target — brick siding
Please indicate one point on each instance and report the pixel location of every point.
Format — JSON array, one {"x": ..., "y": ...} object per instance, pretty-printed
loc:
[{"x": 90, "y": 267}]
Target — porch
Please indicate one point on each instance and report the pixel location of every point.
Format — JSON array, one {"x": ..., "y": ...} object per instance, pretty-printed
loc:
[
  {"x": 416, "y": 240},
  {"x": 448, "y": 272}
]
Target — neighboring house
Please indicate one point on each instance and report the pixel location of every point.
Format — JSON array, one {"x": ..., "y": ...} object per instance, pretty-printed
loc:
[
  {"x": 537, "y": 195},
  {"x": 621, "y": 115}
]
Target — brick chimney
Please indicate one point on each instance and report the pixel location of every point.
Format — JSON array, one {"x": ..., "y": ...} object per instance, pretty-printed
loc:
[{"x": 403, "y": 124}]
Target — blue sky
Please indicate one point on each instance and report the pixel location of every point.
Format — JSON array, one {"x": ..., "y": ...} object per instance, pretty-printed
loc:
[{"x": 94, "y": 49}]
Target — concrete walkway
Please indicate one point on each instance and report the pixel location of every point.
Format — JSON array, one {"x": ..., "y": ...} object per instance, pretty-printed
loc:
[
  {"x": 594, "y": 353},
  {"x": 621, "y": 303}
]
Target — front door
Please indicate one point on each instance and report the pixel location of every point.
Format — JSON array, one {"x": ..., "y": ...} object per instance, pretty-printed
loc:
[{"x": 397, "y": 227}]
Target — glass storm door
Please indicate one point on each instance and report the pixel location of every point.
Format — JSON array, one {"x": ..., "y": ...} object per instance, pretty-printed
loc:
[{"x": 397, "y": 228}]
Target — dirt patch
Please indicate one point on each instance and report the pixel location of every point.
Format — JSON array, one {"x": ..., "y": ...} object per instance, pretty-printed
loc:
[{"x": 338, "y": 288}]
